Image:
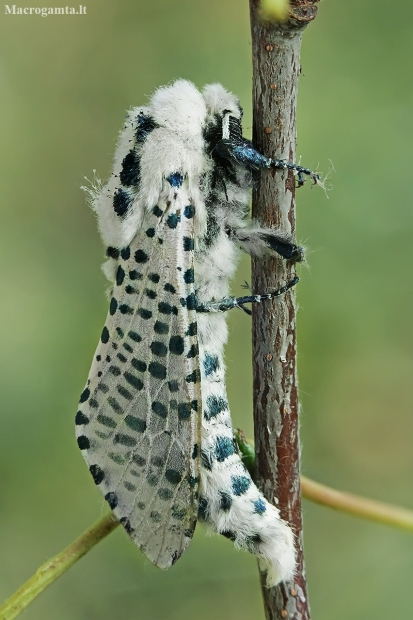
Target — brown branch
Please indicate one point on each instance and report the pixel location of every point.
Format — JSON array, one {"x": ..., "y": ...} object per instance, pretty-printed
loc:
[{"x": 276, "y": 67}]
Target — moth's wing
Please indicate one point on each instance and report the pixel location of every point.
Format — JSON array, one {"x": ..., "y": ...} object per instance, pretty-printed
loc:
[{"x": 138, "y": 423}]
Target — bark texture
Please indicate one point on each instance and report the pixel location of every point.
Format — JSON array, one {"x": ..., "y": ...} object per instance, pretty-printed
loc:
[{"x": 276, "y": 68}]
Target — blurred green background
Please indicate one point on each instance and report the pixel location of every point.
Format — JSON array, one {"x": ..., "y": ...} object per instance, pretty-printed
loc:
[{"x": 65, "y": 84}]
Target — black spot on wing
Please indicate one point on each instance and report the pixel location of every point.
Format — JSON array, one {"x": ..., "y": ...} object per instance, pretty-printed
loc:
[
  {"x": 121, "y": 202},
  {"x": 130, "y": 173}
]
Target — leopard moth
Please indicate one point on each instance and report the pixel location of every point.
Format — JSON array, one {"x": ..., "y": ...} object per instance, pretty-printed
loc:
[{"x": 153, "y": 422}]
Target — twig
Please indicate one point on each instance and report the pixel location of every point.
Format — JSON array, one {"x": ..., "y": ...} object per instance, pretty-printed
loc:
[
  {"x": 355, "y": 505},
  {"x": 386, "y": 514},
  {"x": 276, "y": 68},
  {"x": 48, "y": 572}
]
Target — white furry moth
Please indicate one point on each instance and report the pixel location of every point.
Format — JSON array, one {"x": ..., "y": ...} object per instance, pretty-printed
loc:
[{"x": 153, "y": 422}]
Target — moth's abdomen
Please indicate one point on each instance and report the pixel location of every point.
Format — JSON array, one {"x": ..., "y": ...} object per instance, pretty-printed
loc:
[{"x": 230, "y": 502}]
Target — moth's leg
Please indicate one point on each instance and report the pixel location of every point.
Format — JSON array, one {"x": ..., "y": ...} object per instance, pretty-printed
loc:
[
  {"x": 228, "y": 303},
  {"x": 258, "y": 241},
  {"x": 244, "y": 153}
]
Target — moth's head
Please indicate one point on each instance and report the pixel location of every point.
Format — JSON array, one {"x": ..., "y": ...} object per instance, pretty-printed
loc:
[
  {"x": 179, "y": 107},
  {"x": 223, "y": 110}
]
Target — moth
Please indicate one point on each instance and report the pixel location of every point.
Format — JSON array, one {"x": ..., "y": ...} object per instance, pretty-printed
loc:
[{"x": 153, "y": 422}]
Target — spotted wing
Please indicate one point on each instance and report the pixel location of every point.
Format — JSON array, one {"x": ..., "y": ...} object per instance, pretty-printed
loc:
[{"x": 138, "y": 420}]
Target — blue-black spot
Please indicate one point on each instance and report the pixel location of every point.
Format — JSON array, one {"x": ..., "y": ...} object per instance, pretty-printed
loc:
[
  {"x": 103, "y": 388},
  {"x": 165, "y": 308},
  {"x": 97, "y": 473},
  {"x": 120, "y": 332},
  {"x": 126, "y": 523},
  {"x": 157, "y": 370},
  {"x": 211, "y": 364},
  {"x": 192, "y": 329},
  {"x": 120, "y": 275},
  {"x": 138, "y": 364},
  {"x": 124, "y": 440},
  {"x": 193, "y": 377},
  {"x": 188, "y": 244},
  {"x": 224, "y": 448},
  {"x": 114, "y": 370},
  {"x": 173, "y": 220},
  {"x": 93, "y": 403},
  {"x": 165, "y": 494},
  {"x": 112, "y": 252},
  {"x": 130, "y": 173},
  {"x": 154, "y": 277},
  {"x": 130, "y": 290},
  {"x": 157, "y": 211},
  {"x": 189, "y": 302},
  {"x": 159, "y": 348},
  {"x": 155, "y": 515},
  {"x": 134, "y": 336},
  {"x": 141, "y": 256},
  {"x": 161, "y": 328},
  {"x": 259, "y": 506},
  {"x": 113, "y": 306},
  {"x": 203, "y": 509},
  {"x": 178, "y": 512},
  {"x": 127, "y": 347},
  {"x": 125, "y": 309},
  {"x": 176, "y": 345},
  {"x": 84, "y": 395},
  {"x": 125, "y": 253},
  {"x": 121, "y": 202},
  {"x": 225, "y": 501},
  {"x": 136, "y": 424},
  {"x": 98, "y": 358},
  {"x": 193, "y": 351},
  {"x": 106, "y": 421},
  {"x": 160, "y": 409},
  {"x": 195, "y": 451},
  {"x": 173, "y": 476},
  {"x": 111, "y": 499},
  {"x": 150, "y": 233},
  {"x": 105, "y": 335},
  {"x": 215, "y": 405},
  {"x": 81, "y": 419},
  {"x": 189, "y": 212},
  {"x": 189, "y": 276},
  {"x": 169, "y": 288},
  {"x": 173, "y": 385},
  {"x": 115, "y": 405},
  {"x": 83, "y": 442},
  {"x": 138, "y": 460},
  {"x": 150, "y": 293},
  {"x": 194, "y": 405},
  {"x": 240, "y": 484},
  {"x": 133, "y": 380},
  {"x": 145, "y": 124},
  {"x": 124, "y": 392},
  {"x": 135, "y": 275},
  {"x": 144, "y": 313},
  {"x": 184, "y": 411},
  {"x": 175, "y": 179}
]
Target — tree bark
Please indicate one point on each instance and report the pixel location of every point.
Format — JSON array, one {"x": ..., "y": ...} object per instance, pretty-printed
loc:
[{"x": 276, "y": 68}]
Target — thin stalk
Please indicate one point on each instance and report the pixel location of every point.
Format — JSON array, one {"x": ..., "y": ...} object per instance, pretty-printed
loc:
[
  {"x": 48, "y": 572},
  {"x": 276, "y": 68}
]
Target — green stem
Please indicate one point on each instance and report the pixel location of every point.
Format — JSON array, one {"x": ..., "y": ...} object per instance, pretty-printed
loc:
[
  {"x": 370, "y": 509},
  {"x": 48, "y": 572},
  {"x": 394, "y": 516}
]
